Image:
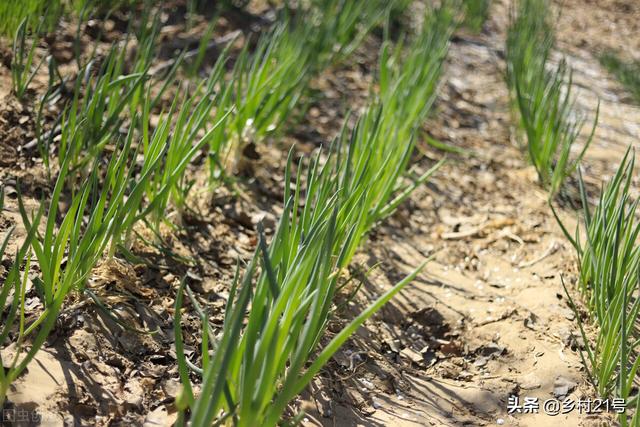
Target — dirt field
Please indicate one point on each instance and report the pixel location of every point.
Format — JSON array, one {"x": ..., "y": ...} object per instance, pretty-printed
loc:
[{"x": 487, "y": 319}]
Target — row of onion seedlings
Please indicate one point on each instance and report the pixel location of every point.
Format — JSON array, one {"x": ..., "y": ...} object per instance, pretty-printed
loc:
[
  {"x": 608, "y": 253},
  {"x": 270, "y": 346},
  {"x": 541, "y": 94},
  {"x": 609, "y": 261}
]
